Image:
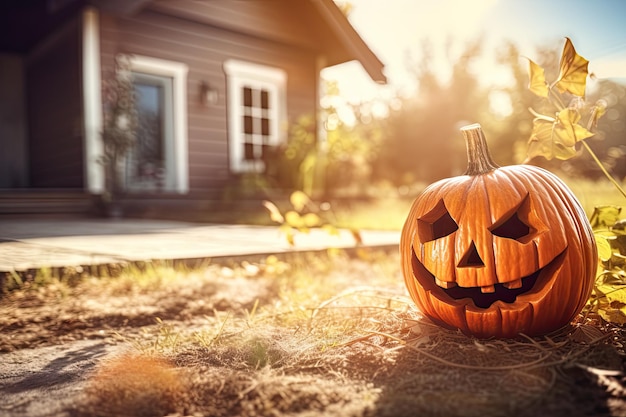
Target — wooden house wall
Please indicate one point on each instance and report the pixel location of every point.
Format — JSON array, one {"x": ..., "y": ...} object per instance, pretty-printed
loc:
[
  {"x": 53, "y": 84},
  {"x": 204, "y": 48}
]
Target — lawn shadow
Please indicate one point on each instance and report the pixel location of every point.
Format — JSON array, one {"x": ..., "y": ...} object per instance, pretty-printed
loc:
[
  {"x": 62, "y": 369},
  {"x": 47, "y": 381},
  {"x": 448, "y": 374}
]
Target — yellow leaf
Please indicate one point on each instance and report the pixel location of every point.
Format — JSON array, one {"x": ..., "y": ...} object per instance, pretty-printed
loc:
[
  {"x": 612, "y": 303},
  {"x": 293, "y": 219},
  {"x": 299, "y": 200},
  {"x": 540, "y": 142},
  {"x": 289, "y": 233},
  {"x": 573, "y": 71},
  {"x": 604, "y": 248},
  {"x": 619, "y": 228},
  {"x": 331, "y": 230},
  {"x": 271, "y": 260},
  {"x": 605, "y": 216},
  {"x": 614, "y": 294},
  {"x": 274, "y": 212},
  {"x": 537, "y": 83},
  {"x": 556, "y": 138},
  {"x": 544, "y": 141},
  {"x": 611, "y": 314},
  {"x": 311, "y": 220},
  {"x": 598, "y": 110},
  {"x": 290, "y": 239},
  {"x": 568, "y": 130}
]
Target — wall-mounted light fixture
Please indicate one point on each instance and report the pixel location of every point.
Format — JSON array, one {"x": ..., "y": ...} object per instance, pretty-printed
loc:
[{"x": 208, "y": 94}]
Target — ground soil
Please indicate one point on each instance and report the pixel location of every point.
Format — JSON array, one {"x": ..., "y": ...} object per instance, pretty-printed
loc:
[{"x": 301, "y": 337}]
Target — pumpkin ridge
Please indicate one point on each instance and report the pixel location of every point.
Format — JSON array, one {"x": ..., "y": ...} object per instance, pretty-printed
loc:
[{"x": 489, "y": 245}]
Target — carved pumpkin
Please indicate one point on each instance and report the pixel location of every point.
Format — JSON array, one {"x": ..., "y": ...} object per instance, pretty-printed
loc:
[{"x": 498, "y": 251}]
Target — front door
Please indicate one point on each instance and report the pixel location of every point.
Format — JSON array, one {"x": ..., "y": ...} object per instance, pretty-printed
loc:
[{"x": 150, "y": 164}]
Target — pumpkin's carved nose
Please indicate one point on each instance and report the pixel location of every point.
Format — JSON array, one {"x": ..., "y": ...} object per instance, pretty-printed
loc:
[{"x": 471, "y": 258}]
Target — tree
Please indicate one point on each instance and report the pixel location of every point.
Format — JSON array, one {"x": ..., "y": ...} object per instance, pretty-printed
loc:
[{"x": 420, "y": 140}]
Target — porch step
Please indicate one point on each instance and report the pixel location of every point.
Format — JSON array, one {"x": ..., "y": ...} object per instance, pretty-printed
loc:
[{"x": 18, "y": 203}]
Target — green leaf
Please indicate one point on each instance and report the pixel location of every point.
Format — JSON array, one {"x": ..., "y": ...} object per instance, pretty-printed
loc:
[
  {"x": 299, "y": 200},
  {"x": 537, "y": 83},
  {"x": 605, "y": 216},
  {"x": 573, "y": 71}
]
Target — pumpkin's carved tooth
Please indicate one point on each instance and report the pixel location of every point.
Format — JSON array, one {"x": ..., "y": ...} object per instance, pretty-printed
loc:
[
  {"x": 445, "y": 284},
  {"x": 513, "y": 284},
  {"x": 488, "y": 288}
]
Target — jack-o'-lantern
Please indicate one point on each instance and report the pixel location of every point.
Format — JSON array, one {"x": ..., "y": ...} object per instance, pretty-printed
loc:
[{"x": 498, "y": 251}]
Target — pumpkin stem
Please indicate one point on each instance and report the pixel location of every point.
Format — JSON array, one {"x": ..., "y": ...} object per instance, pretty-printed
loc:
[{"x": 478, "y": 158}]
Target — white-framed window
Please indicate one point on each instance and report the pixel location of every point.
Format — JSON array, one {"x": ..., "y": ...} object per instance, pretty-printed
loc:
[
  {"x": 159, "y": 160},
  {"x": 257, "y": 106}
]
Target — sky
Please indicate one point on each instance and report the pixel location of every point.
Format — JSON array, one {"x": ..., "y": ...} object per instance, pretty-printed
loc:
[{"x": 395, "y": 29}]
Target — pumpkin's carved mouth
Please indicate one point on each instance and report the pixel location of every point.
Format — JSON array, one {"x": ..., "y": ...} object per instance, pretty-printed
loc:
[{"x": 502, "y": 291}]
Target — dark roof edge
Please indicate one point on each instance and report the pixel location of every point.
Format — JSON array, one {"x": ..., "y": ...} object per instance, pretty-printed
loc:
[{"x": 351, "y": 40}]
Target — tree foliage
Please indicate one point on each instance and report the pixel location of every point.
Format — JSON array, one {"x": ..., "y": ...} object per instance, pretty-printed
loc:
[{"x": 420, "y": 137}]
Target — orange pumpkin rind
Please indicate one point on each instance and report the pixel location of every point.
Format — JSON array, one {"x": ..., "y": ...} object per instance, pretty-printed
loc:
[{"x": 498, "y": 251}]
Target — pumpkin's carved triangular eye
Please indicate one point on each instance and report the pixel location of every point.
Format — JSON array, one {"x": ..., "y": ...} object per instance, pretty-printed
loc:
[
  {"x": 436, "y": 224},
  {"x": 514, "y": 225}
]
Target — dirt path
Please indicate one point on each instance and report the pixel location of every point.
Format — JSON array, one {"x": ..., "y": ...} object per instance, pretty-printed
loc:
[{"x": 46, "y": 381}]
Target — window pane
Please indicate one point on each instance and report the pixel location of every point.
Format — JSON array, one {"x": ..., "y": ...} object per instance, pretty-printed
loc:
[
  {"x": 248, "y": 126},
  {"x": 247, "y": 97},
  {"x": 149, "y": 146},
  {"x": 248, "y": 151},
  {"x": 265, "y": 126},
  {"x": 265, "y": 102}
]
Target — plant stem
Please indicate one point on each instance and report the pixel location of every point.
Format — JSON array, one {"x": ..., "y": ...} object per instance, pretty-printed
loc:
[
  {"x": 590, "y": 122},
  {"x": 606, "y": 173},
  {"x": 559, "y": 104}
]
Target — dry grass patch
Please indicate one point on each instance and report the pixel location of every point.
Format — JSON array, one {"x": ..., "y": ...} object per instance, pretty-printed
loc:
[
  {"x": 135, "y": 385},
  {"x": 341, "y": 338},
  {"x": 322, "y": 334}
]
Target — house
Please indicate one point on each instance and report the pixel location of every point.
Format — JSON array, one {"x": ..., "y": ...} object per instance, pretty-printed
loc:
[{"x": 218, "y": 82}]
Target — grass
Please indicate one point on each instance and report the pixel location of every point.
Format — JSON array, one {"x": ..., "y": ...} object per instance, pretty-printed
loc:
[
  {"x": 338, "y": 336},
  {"x": 390, "y": 213},
  {"x": 389, "y": 210},
  {"x": 593, "y": 194},
  {"x": 303, "y": 335}
]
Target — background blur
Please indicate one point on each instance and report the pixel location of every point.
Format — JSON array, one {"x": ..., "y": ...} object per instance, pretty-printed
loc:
[{"x": 451, "y": 63}]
